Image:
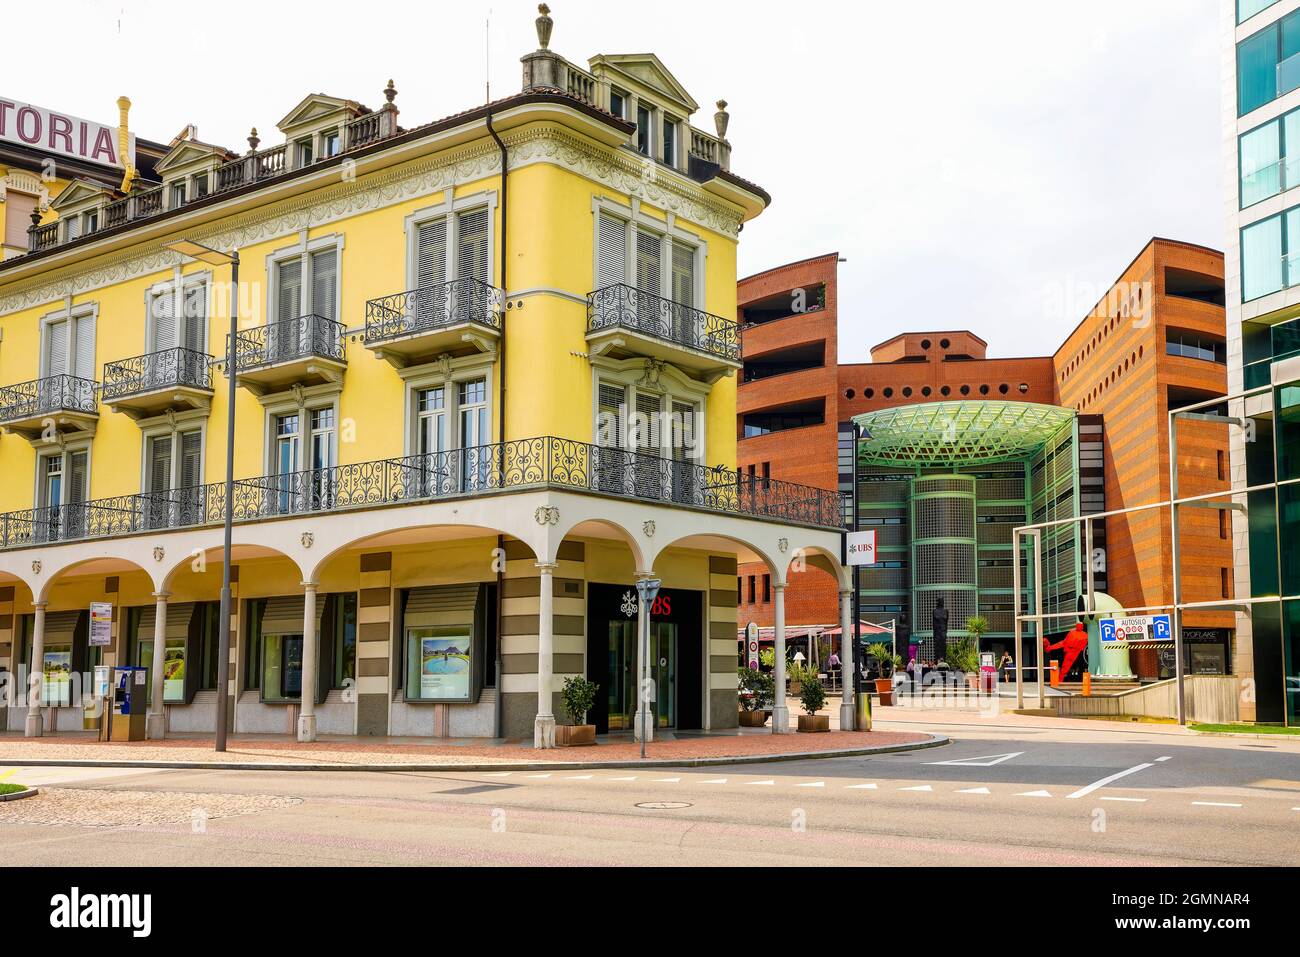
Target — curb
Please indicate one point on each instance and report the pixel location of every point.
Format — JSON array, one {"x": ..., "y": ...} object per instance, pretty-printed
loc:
[
  {"x": 19, "y": 795},
  {"x": 1246, "y": 734},
  {"x": 936, "y": 740}
]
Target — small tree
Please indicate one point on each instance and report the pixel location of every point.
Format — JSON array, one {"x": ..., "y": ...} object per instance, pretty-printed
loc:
[
  {"x": 976, "y": 626},
  {"x": 885, "y": 659},
  {"x": 578, "y": 697},
  {"x": 812, "y": 695}
]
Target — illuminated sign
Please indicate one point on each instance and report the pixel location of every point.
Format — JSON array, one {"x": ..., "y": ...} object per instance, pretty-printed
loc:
[{"x": 60, "y": 134}]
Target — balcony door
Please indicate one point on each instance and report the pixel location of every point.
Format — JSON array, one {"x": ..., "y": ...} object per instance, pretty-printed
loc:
[
  {"x": 475, "y": 443},
  {"x": 178, "y": 322},
  {"x": 433, "y": 477},
  {"x": 67, "y": 349},
  {"x": 650, "y": 310},
  {"x": 174, "y": 496},
  {"x": 64, "y": 481},
  {"x": 310, "y": 483}
]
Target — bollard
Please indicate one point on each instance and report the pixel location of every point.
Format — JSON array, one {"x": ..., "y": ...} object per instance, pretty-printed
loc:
[
  {"x": 1087, "y": 683},
  {"x": 864, "y": 710}
]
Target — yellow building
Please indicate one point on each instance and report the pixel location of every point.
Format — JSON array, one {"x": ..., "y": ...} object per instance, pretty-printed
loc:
[{"x": 471, "y": 413}]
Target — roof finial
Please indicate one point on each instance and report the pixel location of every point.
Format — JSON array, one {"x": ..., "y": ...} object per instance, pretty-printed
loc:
[
  {"x": 390, "y": 92},
  {"x": 253, "y": 140},
  {"x": 721, "y": 119},
  {"x": 544, "y": 26}
]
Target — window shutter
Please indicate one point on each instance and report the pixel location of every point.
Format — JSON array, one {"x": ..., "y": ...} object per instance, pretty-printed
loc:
[
  {"x": 324, "y": 277},
  {"x": 609, "y": 428},
  {"x": 649, "y": 262},
  {"x": 163, "y": 307},
  {"x": 85, "y": 345},
  {"x": 196, "y": 314},
  {"x": 431, "y": 254},
  {"x": 77, "y": 478},
  {"x": 191, "y": 455},
  {"x": 683, "y": 274},
  {"x": 56, "y": 347},
  {"x": 160, "y": 463},
  {"x": 18, "y": 216},
  {"x": 683, "y": 431},
  {"x": 611, "y": 253},
  {"x": 472, "y": 240},
  {"x": 647, "y": 426},
  {"x": 289, "y": 291}
]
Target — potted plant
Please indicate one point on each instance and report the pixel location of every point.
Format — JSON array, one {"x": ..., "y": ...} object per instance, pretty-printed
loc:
[
  {"x": 796, "y": 673},
  {"x": 813, "y": 698},
  {"x": 976, "y": 626},
  {"x": 578, "y": 697},
  {"x": 963, "y": 656},
  {"x": 757, "y": 692},
  {"x": 887, "y": 662}
]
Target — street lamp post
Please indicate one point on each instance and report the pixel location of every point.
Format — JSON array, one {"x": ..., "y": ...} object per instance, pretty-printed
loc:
[
  {"x": 215, "y": 257},
  {"x": 647, "y": 590}
]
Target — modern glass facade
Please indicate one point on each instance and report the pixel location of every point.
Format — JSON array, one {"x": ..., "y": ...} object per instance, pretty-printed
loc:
[
  {"x": 1248, "y": 8},
  {"x": 1268, "y": 64}
]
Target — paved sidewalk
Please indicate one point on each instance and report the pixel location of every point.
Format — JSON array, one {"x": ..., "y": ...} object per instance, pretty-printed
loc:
[{"x": 276, "y": 751}]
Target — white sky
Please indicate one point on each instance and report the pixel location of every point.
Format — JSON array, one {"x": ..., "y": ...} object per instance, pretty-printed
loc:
[{"x": 987, "y": 165}]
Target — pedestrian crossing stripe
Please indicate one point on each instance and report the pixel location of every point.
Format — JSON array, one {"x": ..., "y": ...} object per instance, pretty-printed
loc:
[
  {"x": 1034, "y": 794},
  {"x": 974, "y": 791},
  {"x": 919, "y": 787},
  {"x": 862, "y": 787},
  {"x": 771, "y": 782},
  {"x": 715, "y": 781},
  {"x": 813, "y": 784}
]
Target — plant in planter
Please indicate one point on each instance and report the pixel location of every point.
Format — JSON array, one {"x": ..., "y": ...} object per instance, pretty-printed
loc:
[
  {"x": 799, "y": 674},
  {"x": 963, "y": 655},
  {"x": 976, "y": 626},
  {"x": 767, "y": 659},
  {"x": 757, "y": 692},
  {"x": 813, "y": 698},
  {"x": 578, "y": 697},
  {"x": 887, "y": 662}
]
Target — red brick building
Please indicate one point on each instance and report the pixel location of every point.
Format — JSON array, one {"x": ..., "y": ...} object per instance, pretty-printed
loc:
[{"x": 1154, "y": 340}]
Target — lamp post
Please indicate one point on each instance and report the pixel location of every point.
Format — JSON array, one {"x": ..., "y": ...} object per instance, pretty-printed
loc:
[
  {"x": 860, "y": 434},
  {"x": 647, "y": 589},
  {"x": 197, "y": 251}
]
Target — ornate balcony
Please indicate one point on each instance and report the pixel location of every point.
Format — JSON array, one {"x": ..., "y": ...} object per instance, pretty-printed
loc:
[
  {"x": 521, "y": 465},
  {"x": 626, "y": 321},
  {"x": 456, "y": 317},
  {"x": 65, "y": 403},
  {"x": 307, "y": 350},
  {"x": 149, "y": 385}
]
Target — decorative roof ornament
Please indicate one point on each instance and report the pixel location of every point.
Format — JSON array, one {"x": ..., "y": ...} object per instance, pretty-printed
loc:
[
  {"x": 722, "y": 119},
  {"x": 253, "y": 140},
  {"x": 390, "y": 93},
  {"x": 544, "y": 26}
]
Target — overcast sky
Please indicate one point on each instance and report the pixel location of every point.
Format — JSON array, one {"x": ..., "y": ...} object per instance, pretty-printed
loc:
[{"x": 991, "y": 166}]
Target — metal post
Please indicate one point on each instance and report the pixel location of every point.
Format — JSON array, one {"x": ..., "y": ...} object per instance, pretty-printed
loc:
[
  {"x": 1177, "y": 618},
  {"x": 1091, "y": 606},
  {"x": 1018, "y": 643},
  {"x": 1038, "y": 614},
  {"x": 35, "y": 725},
  {"x": 847, "y": 719},
  {"x": 310, "y": 662},
  {"x": 223, "y": 639},
  {"x": 156, "y": 720},
  {"x": 780, "y": 713}
]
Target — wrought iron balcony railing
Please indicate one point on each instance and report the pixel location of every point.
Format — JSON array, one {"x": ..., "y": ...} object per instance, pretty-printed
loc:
[
  {"x": 305, "y": 337},
  {"x": 431, "y": 308},
  {"x": 55, "y": 393},
  {"x": 626, "y": 307},
  {"x": 168, "y": 369},
  {"x": 524, "y": 464}
]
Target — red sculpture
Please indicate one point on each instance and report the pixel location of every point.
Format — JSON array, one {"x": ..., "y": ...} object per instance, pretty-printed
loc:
[{"x": 1074, "y": 644}]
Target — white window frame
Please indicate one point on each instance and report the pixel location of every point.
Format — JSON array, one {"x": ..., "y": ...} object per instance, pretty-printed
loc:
[
  {"x": 302, "y": 251},
  {"x": 50, "y": 450},
  {"x": 302, "y": 403},
  {"x": 182, "y": 422},
  {"x": 634, "y": 218},
  {"x": 449, "y": 374},
  {"x": 673, "y": 386},
  {"x": 71, "y": 314},
  {"x": 451, "y": 207},
  {"x": 178, "y": 286}
]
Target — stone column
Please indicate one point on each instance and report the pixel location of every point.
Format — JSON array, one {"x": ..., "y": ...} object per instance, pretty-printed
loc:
[
  {"x": 155, "y": 724},
  {"x": 34, "y": 727},
  {"x": 310, "y": 662},
  {"x": 643, "y": 722},
  {"x": 780, "y": 713},
  {"x": 544, "y": 726},
  {"x": 848, "y": 671}
]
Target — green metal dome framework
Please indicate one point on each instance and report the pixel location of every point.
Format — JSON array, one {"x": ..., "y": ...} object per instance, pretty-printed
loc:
[{"x": 957, "y": 433}]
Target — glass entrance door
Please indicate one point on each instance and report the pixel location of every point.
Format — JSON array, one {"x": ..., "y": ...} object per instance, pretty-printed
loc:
[{"x": 621, "y": 683}]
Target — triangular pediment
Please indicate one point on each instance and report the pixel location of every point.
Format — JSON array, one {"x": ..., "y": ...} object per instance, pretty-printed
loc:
[
  {"x": 648, "y": 71},
  {"x": 79, "y": 193},
  {"x": 315, "y": 108},
  {"x": 187, "y": 152}
]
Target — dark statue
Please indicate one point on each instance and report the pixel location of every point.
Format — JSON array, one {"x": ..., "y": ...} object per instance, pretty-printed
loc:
[{"x": 940, "y": 625}]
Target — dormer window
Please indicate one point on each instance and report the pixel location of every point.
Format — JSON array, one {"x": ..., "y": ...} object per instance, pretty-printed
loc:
[
  {"x": 91, "y": 220},
  {"x": 200, "y": 185},
  {"x": 644, "y": 140},
  {"x": 305, "y": 152},
  {"x": 670, "y": 141},
  {"x": 330, "y": 143},
  {"x": 178, "y": 195},
  {"x": 73, "y": 228},
  {"x": 618, "y": 103}
]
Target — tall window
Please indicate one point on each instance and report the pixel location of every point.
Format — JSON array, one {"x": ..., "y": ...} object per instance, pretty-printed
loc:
[
  {"x": 1269, "y": 159},
  {"x": 178, "y": 317},
  {"x": 431, "y": 420},
  {"x": 62, "y": 487},
  {"x": 69, "y": 346},
  {"x": 1268, "y": 64},
  {"x": 644, "y": 139},
  {"x": 18, "y": 217},
  {"x": 670, "y": 141},
  {"x": 611, "y": 252},
  {"x": 466, "y": 234}
]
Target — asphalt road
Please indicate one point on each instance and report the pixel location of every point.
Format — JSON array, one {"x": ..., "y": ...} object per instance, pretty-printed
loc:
[{"x": 994, "y": 796}]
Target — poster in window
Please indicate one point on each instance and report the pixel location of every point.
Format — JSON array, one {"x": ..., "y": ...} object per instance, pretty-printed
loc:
[
  {"x": 58, "y": 677},
  {"x": 174, "y": 673},
  {"x": 444, "y": 668}
]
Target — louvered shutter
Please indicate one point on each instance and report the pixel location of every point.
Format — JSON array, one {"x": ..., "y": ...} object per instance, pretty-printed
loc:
[
  {"x": 196, "y": 314},
  {"x": 324, "y": 284},
  {"x": 163, "y": 307},
  {"x": 472, "y": 240},
  {"x": 289, "y": 291},
  {"x": 56, "y": 347},
  {"x": 160, "y": 463},
  {"x": 431, "y": 254},
  {"x": 649, "y": 262},
  {"x": 18, "y": 217},
  {"x": 683, "y": 274},
  {"x": 191, "y": 455},
  {"x": 683, "y": 431},
  {"x": 77, "y": 478},
  {"x": 609, "y": 428},
  {"x": 611, "y": 252},
  {"x": 647, "y": 412}
]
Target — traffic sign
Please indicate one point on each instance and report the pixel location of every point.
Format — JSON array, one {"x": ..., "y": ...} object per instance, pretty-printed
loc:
[{"x": 1136, "y": 628}]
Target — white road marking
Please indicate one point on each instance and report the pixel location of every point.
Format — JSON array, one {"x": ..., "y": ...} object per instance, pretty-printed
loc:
[
  {"x": 812, "y": 784},
  {"x": 919, "y": 787},
  {"x": 1034, "y": 794},
  {"x": 539, "y": 775},
  {"x": 498, "y": 774},
  {"x": 1129, "y": 800},
  {"x": 667, "y": 780},
  {"x": 1165, "y": 758},
  {"x": 974, "y": 791},
  {"x": 986, "y": 761},
  {"x": 632, "y": 778},
  {"x": 872, "y": 787},
  {"x": 715, "y": 781},
  {"x": 580, "y": 777},
  {"x": 1084, "y": 792},
  {"x": 767, "y": 782},
  {"x": 1214, "y": 804}
]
